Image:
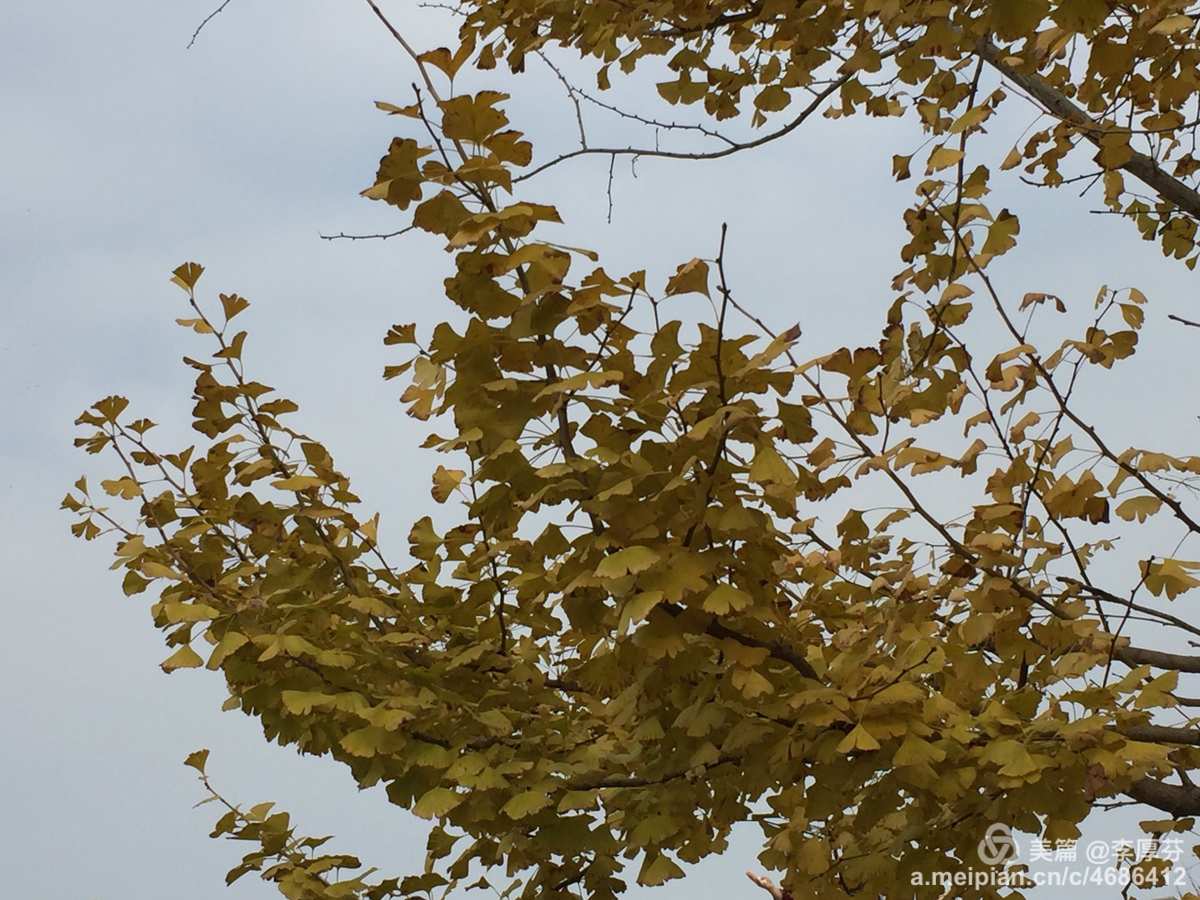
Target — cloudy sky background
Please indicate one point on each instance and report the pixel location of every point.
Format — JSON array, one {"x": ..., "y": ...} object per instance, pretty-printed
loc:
[{"x": 126, "y": 154}]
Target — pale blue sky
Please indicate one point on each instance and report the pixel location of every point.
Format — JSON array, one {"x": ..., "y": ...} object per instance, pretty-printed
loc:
[{"x": 125, "y": 154}]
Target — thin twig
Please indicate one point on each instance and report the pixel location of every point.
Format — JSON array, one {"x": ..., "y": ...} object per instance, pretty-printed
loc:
[
  {"x": 958, "y": 189},
  {"x": 206, "y": 20},
  {"x": 733, "y": 148},
  {"x": 342, "y": 236},
  {"x": 577, "y": 92},
  {"x": 571, "y": 93},
  {"x": 1182, "y": 321},
  {"x": 611, "y": 163},
  {"x": 408, "y": 48}
]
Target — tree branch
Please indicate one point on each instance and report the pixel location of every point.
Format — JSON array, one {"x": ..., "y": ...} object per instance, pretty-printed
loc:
[
  {"x": 734, "y": 147},
  {"x": 1182, "y": 321},
  {"x": 205, "y": 21},
  {"x": 1140, "y": 656},
  {"x": 342, "y": 236},
  {"x": 1141, "y": 166},
  {"x": 1161, "y": 734},
  {"x": 1177, "y": 799}
]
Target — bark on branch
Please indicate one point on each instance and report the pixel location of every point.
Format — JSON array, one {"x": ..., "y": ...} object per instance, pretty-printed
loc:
[
  {"x": 1162, "y": 734},
  {"x": 1140, "y": 656},
  {"x": 1141, "y": 166},
  {"x": 1177, "y": 799}
]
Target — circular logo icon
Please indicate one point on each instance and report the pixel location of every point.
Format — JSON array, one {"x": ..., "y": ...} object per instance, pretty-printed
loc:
[{"x": 997, "y": 845}]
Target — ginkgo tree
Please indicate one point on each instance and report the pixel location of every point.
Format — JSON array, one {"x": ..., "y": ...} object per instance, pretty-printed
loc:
[{"x": 673, "y": 601}]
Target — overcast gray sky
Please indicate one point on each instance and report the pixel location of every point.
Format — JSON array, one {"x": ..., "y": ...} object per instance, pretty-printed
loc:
[{"x": 125, "y": 154}]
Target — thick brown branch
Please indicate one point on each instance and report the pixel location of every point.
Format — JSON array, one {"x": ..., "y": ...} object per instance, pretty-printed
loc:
[
  {"x": 1141, "y": 166},
  {"x": 778, "y": 651},
  {"x": 1177, "y": 799},
  {"x": 1162, "y": 734},
  {"x": 636, "y": 781},
  {"x": 1140, "y": 656}
]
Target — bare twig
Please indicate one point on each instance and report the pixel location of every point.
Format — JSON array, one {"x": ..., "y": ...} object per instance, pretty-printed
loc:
[
  {"x": 577, "y": 92},
  {"x": 1182, "y": 321},
  {"x": 408, "y": 48},
  {"x": 958, "y": 187},
  {"x": 1109, "y": 597},
  {"x": 205, "y": 21},
  {"x": 342, "y": 236},
  {"x": 734, "y": 147},
  {"x": 572, "y": 93},
  {"x": 611, "y": 164}
]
